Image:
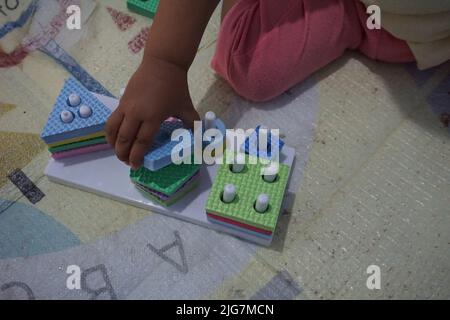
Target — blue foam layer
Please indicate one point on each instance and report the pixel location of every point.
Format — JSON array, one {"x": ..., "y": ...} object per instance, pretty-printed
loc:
[{"x": 55, "y": 130}]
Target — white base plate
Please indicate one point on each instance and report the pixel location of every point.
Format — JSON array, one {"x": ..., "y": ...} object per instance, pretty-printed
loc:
[{"x": 103, "y": 174}]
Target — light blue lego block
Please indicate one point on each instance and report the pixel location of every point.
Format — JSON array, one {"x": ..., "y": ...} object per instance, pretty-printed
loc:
[
  {"x": 251, "y": 147},
  {"x": 56, "y": 130},
  {"x": 159, "y": 155}
]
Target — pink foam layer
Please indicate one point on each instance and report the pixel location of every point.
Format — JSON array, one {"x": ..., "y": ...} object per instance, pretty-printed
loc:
[{"x": 80, "y": 151}]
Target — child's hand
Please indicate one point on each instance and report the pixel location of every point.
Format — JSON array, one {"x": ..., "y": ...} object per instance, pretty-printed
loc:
[{"x": 158, "y": 90}]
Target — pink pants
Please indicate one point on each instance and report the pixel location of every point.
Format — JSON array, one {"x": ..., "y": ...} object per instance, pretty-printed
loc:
[{"x": 267, "y": 46}]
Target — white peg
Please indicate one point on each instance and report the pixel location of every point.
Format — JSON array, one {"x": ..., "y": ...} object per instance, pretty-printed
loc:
[
  {"x": 239, "y": 163},
  {"x": 74, "y": 100},
  {"x": 262, "y": 203},
  {"x": 210, "y": 120},
  {"x": 270, "y": 172},
  {"x": 85, "y": 111},
  {"x": 229, "y": 193},
  {"x": 66, "y": 116}
]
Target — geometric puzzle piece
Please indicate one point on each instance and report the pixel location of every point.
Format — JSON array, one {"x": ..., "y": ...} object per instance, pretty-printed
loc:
[
  {"x": 168, "y": 201},
  {"x": 251, "y": 145},
  {"x": 69, "y": 120},
  {"x": 168, "y": 180},
  {"x": 164, "y": 197},
  {"x": 145, "y": 8},
  {"x": 160, "y": 155},
  {"x": 249, "y": 185}
]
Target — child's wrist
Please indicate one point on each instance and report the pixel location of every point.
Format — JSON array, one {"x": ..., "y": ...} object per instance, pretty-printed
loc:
[{"x": 152, "y": 61}]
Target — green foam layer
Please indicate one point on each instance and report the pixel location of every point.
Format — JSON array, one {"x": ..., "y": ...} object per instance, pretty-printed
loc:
[
  {"x": 146, "y": 8},
  {"x": 249, "y": 185},
  {"x": 174, "y": 198},
  {"x": 166, "y": 180}
]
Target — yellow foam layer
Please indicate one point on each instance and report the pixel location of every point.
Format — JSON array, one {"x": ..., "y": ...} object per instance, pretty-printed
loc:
[{"x": 77, "y": 139}]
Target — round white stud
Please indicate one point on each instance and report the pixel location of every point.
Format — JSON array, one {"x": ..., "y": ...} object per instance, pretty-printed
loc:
[
  {"x": 270, "y": 172},
  {"x": 210, "y": 120},
  {"x": 73, "y": 100},
  {"x": 85, "y": 111},
  {"x": 239, "y": 163},
  {"x": 262, "y": 203},
  {"x": 67, "y": 116},
  {"x": 229, "y": 193}
]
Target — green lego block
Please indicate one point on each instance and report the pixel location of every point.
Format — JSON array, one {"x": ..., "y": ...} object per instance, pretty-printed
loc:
[
  {"x": 145, "y": 8},
  {"x": 167, "y": 180},
  {"x": 249, "y": 184},
  {"x": 78, "y": 144},
  {"x": 172, "y": 199}
]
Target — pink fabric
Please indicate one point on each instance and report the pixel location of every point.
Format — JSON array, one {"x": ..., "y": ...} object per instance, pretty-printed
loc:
[
  {"x": 80, "y": 151},
  {"x": 267, "y": 46}
]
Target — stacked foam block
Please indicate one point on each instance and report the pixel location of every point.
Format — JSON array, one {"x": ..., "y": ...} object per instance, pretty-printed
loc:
[
  {"x": 247, "y": 195},
  {"x": 246, "y": 200},
  {"x": 167, "y": 185},
  {"x": 76, "y": 124},
  {"x": 161, "y": 180}
]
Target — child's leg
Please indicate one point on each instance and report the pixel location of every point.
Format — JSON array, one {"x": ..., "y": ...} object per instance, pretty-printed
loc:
[
  {"x": 380, "y": 44},
  {"x": 267, "y": 46}
]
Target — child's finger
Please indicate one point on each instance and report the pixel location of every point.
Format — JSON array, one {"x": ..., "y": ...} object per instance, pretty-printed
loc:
[
  {"x": 143, "y": 143},
  {"x": 125, "y": 137},
  {"x": 112, "y": 127},
  {"x": 188, "y": 116}
]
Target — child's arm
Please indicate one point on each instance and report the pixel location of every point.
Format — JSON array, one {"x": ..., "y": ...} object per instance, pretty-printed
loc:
[{"x": 159, "y": 88}]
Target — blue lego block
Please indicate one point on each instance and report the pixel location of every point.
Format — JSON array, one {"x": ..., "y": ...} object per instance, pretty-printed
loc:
[
  {"x": 56, "y": 130},
  {"x": 274, "y": 146},
  {"x": 159, "y": 155}
]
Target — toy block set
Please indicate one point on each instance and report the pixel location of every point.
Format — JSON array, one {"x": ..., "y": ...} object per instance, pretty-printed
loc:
[
  {"x": 76, "y": 124},
  {"x": 145, "y": 8},
  {"x": 243, "y": 196},
  {"x": 248, "y": 197}
]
